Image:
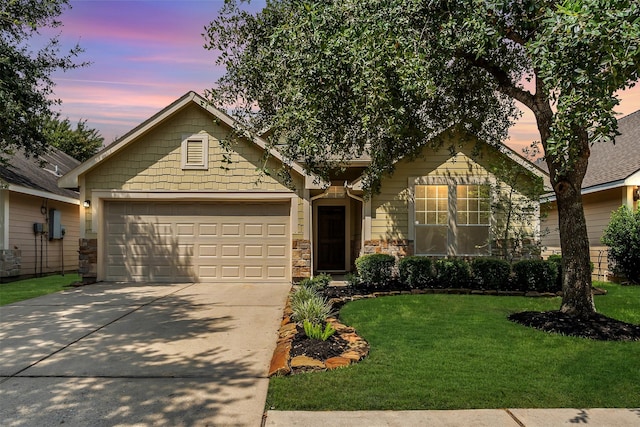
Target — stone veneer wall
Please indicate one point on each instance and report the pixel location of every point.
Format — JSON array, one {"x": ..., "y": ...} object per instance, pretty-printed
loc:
[
  {"x": 10, "y": 262},
  {"x": 88, "y": 260},
  {"x": 397, "y": 248},
  {"x": 300, "y": 259}
]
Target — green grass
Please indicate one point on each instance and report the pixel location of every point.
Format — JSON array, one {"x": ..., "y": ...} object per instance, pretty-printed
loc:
[
  {"x": 460, "y": 351},
  {"x": 31, "y": 288}
]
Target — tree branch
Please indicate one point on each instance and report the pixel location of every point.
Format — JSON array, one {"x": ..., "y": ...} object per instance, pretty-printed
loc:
[{"x": 505, "y": 85}]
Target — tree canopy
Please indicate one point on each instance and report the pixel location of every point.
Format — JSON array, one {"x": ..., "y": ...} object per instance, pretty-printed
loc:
[
  {"x": 26, "y": 87},
  {"x": 80, "y": 143},
  {"x": 335, "y": 79}
]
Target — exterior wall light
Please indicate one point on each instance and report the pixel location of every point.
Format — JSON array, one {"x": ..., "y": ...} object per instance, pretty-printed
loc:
[{"x": 86, "y": 204}]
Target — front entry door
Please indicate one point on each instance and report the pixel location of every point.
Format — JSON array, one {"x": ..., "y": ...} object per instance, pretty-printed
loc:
[{"x": 331, "y": 238}]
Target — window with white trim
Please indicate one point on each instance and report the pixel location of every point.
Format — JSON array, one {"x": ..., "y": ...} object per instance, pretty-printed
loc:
[
  {"x": 195, "y": 152},
  {"x": 452, "y": 219}
]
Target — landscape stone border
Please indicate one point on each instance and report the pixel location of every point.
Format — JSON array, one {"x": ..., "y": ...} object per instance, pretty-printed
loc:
[
  {"x": 358, "y": 348},
  {"x": 283, "y": 364}
]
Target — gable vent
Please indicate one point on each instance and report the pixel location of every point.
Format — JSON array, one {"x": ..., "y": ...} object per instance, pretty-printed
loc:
[{"x": 195, "y": 150}]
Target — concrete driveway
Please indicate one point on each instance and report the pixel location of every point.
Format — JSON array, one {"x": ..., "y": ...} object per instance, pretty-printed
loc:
[{"x": 139, "y": 355}]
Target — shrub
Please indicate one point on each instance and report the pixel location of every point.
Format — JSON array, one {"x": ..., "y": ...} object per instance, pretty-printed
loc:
[
  {"x": 535, "y": 275},
  {"x": 322, "y": 280},
  {"x": 557, "y": 261},
  {"x": 316, "y": 283},
  {"x": 452, "y": 273},
  {"x": 491, "y": 273},
  {"x": 303, "y": 293},
  {"x": 352, "y": 280},
  {"x": 315, "y": 331},
  {"x": 314, "y": 309},
  {"x": 622, "y": 235},
  {"x": 375, "y": 269},
  {"x": 415, "y": 271}
]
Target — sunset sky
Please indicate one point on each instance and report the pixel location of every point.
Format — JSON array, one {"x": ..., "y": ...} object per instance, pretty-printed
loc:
[{"x": 146, "y": 54}]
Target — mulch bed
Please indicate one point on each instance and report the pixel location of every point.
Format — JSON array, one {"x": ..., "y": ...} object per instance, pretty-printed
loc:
[
  {"x": 321, "y": 350},
  {"x": 595, "y": 326}
]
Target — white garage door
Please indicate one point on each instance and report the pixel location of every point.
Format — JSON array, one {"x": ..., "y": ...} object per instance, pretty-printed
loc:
[{"x": 197, "y": 242}]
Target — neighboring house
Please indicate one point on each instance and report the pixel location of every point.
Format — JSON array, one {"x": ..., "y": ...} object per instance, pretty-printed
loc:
[
  {"x": 29, "y": 195},
  {"x": 163, "y": 206},
  {"x": 612, "y": 180}
]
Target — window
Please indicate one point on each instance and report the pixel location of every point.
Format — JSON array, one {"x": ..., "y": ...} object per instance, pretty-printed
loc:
[
  {"x": 473, "y": 215},
  {"x": 432, "y": 219},
  {"x": 195, "y": 152},
  {"x": 452, "y": 219}
]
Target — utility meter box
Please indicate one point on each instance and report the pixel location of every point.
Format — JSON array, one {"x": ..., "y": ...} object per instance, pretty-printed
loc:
[{"x": 55, "y": 225}]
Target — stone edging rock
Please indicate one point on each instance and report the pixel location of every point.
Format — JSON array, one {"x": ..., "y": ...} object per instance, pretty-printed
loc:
[{"x": 283, "y": 364}]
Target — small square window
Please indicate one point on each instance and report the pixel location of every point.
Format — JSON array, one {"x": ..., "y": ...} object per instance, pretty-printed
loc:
[{"x": 195, "y": 152}]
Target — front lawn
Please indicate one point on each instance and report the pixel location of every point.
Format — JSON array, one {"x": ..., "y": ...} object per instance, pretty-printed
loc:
[
  {"x": 460, "y": 351},
  {"x": 31, "y": 288}
]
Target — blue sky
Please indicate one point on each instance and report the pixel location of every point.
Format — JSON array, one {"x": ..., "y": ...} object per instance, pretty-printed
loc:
[{"x": 145, "y": 54}]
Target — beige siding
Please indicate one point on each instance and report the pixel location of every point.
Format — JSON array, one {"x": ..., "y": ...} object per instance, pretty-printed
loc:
[
  {"x": 153, "y": 163},
  {"x": 24, "y": 211},
  {"x": 597, "y": 211},
  {"x": 390, "y": 208}
]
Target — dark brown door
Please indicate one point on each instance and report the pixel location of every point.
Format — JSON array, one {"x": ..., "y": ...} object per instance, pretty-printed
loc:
[{"x": 331, "y": 238}]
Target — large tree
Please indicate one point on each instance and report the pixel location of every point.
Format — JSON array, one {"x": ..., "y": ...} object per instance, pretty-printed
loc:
[
  {"x": 25, "y": 72},
  {"x": 332, "y": 79},
  {"x": 80, "y": 143}
]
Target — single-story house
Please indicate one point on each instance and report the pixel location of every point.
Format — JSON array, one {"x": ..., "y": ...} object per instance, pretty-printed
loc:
[
  {"x": 163, "y": 206},
  {"x": 612, "y": 180},
  {"x": 39, "y": 221}
]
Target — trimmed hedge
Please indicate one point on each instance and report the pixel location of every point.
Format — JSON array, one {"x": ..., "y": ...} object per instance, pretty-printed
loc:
[
  {"x": 490, "y": 273},
  {"x": 375, "y": 269},
  {"x": 535, "y": 275},
  {"x": 452, "y": 273},
  {"x": 415, "y": 271}
]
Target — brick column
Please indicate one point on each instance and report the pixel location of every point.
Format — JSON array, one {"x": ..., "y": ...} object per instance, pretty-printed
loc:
[
  {"x": 300, "y": 259},
  {"x": 88, "y": 260}
]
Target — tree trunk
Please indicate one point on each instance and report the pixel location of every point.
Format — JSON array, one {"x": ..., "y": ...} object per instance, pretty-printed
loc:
[
  {"x": 567, "y": 184},
  {"x": 576, "y": 266}
]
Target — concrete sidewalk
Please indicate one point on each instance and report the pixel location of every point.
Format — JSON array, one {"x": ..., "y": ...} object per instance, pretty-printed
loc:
[
  {"x": 117, "y": 354},
  {"x": 462, "y": 418}
]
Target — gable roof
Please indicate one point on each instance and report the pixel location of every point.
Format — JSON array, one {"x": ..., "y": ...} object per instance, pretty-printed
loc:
[
  {"x": 502, "y": 149},
  {"x": 611, "y": 164},
  {"x": 70, "y": 180},
  {"x": 39, "y": 175}
]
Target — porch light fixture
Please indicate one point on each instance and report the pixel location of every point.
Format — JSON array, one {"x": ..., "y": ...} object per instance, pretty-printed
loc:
[
  {"x": 636, "y": 194},
  {"x": 86, "y": 203}
]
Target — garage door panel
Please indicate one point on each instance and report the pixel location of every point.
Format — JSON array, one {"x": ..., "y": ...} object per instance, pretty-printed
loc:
[
  {"x": 208, "y": 250},
  {"x": 277, "y": 272},
  {"x": 207, "y": 229},
  {"x": 253, "y": 272},
  {"x": 230, "y": 272},
  {"x": 230, "y": 251},
  {"x": 253, "y": 230},
  {"x": 231, "y": 230},
  {"x": 185, "y": 229},
  {"x": 207, "y": 242},
  {"x": 276, "y": 230},
  {"x": 252, "y": 251}
]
